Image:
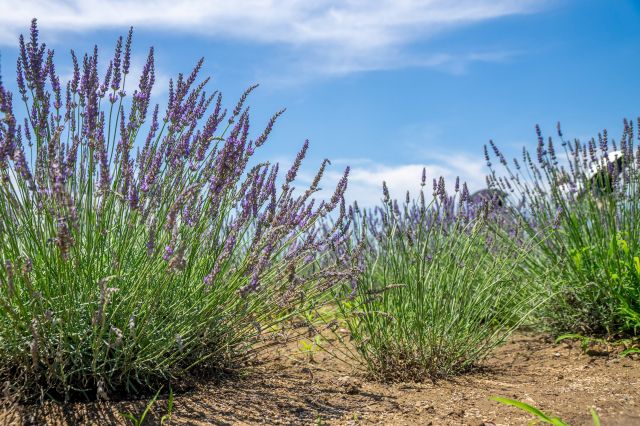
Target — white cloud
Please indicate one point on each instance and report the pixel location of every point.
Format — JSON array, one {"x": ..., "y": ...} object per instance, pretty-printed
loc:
[
  {"x": 366, "y": 177},
  {"x": 336, "y": 36}
]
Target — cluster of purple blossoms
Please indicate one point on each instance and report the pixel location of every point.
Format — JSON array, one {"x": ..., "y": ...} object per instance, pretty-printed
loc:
[
  {"x": 542, "y": 190},
  {"x": 100, "y": 185},
  {"x": 407, "y": 222},
  {"x": 188, "y": 173}
]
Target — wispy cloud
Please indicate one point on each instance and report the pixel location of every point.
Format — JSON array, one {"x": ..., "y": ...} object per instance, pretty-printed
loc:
[{"x": 335, "y": 36}]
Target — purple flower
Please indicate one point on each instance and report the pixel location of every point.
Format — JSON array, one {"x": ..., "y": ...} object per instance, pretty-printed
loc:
[
  {"x": 558, "y": 217},
  {"x": 263, "y": 137},
  {"x": 340, "y": 190},
  {"x": 293, "y": 171},
  {"x": 243, "y": 98},
  {"x": 168, "y": 252},
  {"x": 126, "y": 61},
  {"x": 440, "y": 190},
  {"x": 116, "y": 62}
]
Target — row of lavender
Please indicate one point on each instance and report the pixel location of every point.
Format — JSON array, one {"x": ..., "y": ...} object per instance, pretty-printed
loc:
[
  {"x": 138, "y": 245},
  {"x": 553, "y": 243}
]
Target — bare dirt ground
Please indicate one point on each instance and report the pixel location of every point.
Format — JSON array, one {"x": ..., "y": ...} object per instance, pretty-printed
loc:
[{"x": 558, "y": 378}]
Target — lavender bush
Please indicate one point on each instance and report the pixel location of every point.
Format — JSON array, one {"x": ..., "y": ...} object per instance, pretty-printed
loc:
[
  {"x": 139, "y": 243},
  {"x": 436, "y": 291},
  {"x": 581, "y": 202}
]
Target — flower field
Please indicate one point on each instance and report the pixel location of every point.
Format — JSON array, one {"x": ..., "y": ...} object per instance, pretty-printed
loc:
[{"x": 151, "y": 269}]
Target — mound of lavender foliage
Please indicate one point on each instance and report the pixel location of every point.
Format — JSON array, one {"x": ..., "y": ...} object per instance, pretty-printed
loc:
[
  {"x": 140, "y": 243},
  {"x": 581, "y": 202},
  {"x": 436, "y": 292}
]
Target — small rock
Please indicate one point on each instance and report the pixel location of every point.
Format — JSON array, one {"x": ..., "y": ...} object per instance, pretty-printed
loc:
[
  {"x": 597, "y": 352},
  {"x": 457, "y": 413},
  {"x": 349, "y": 384}
]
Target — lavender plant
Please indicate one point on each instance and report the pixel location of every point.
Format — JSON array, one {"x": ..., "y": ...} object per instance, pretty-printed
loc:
[
  {"x": 582, "y": 205},
  {"x": 437, "y": 292},
  {"x": 137, "y": 244}
]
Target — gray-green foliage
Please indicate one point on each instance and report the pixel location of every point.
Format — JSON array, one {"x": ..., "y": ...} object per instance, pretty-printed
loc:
[
  {"x": 580, "y": 202},
  {"x": 437, "y": 291}
]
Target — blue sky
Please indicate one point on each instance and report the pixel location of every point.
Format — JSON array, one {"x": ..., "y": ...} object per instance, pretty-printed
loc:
[{"x": 386, "y": 86}]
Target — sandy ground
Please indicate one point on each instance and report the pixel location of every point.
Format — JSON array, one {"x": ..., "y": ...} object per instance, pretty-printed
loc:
[{"x": 558, "y": 378}]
